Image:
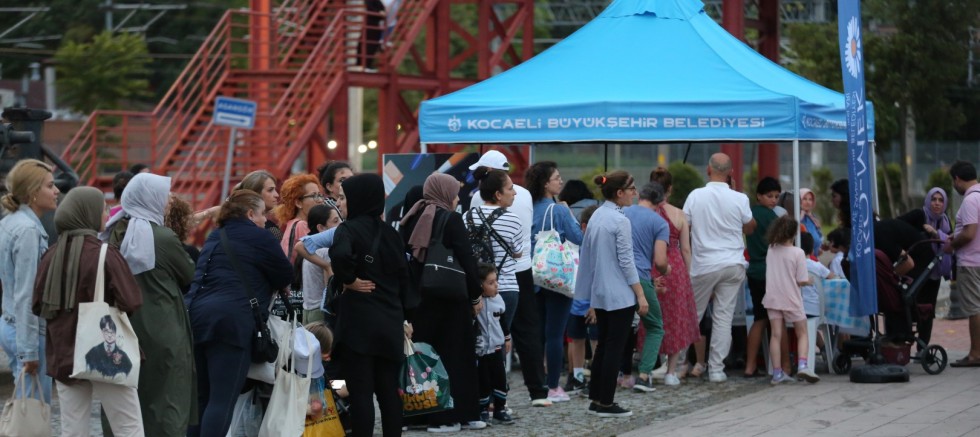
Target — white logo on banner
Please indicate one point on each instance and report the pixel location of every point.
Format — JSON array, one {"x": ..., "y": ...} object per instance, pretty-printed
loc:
[
  {"x": 455, "y": 124},
  {"x": 853, "y": 55}
]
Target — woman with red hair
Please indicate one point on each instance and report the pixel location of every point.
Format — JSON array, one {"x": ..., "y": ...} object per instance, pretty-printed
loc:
[{"x": 299, "y": 194}]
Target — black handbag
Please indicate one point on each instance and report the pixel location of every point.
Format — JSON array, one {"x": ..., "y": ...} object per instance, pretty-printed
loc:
[
  {"x": 264, "y": 347},
  {"x": 442, "y": 275}
]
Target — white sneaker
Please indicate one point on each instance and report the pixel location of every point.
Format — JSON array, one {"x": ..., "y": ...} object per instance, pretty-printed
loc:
[
  {"x": 805, "y": 374},
  {"x": 717, "y": 376},
  {"x": 671, "y": 379},
  {"x": 476, "y": 424},
  {"x": 781, "y": 378},
  {"x": 444, "y": 428},
  {"x": 543, "y": 402},
  {"x": 659, "y": 372}
]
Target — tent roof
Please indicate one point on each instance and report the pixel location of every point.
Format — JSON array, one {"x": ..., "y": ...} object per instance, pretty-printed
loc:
[{"x": 643, "y": 70}]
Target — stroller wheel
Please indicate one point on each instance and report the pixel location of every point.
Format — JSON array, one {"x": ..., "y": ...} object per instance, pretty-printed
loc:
[
  {"x": 842, "y": 364},
  {"x": 934, "y": 359}
]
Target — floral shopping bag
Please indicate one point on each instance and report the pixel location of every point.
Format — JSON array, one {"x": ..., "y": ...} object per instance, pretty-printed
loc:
[{"x": 554, "y": 264}]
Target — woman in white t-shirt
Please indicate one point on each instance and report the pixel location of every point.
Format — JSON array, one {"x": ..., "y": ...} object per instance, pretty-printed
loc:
[{"x": 320, "y": 218}]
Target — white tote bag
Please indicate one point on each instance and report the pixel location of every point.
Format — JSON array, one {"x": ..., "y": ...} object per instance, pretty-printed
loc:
[
  {"x": 554, "y": 264},
  {"x": 280, "y": 329},
  {"x": 106, "y": 347},
  {"x": 27, "y": 416},
  {"x": 286, "y": 414}
]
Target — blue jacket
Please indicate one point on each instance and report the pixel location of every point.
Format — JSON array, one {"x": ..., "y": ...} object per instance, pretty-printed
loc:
[
  {"x": 22, "y": 242},
  {"x": 566, "y": 225},
  {"x": 217, "y": 302}
]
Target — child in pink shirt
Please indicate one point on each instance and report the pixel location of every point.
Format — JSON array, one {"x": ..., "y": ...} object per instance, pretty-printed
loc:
[{"x": 785, "y": 274}]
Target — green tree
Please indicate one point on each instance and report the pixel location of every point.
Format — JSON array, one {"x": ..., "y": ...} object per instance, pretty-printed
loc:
[
  {"x": 888, "y": 182},
  {"x": 685, "y": 179},
  {"x": 102, "y": 73},
  {"x": 940, "y": 178}
]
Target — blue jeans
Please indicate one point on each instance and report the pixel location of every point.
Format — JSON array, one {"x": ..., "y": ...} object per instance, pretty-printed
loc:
[
  {"x": 554, "y": 308},
  {"x": 8, "y": 339}
]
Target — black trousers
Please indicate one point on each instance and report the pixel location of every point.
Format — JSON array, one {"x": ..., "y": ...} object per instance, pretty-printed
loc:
[
  {"x": 927, "y": 295},
  {"x": 368, "y": 376},
  {"x": 448, "y": 327},
  {"x": 527, "y": 334},
  {"x": 614, "y": 329},
  {"x": 493, "y": 381}
]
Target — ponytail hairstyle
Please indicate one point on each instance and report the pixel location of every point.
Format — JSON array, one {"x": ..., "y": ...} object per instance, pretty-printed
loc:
[
  {"x": 492, "y": 181},
  {"x": 328, "y": 173},
  {"x": 255, "y": 181},
  {"x": 662, "y": 175},
  {"x": 23, "y": 182},
  {"x": 319, "y": 215},
  {"x": 239, "y": 204},
  {"x": 612, "y": 182},
  {"x": 537, "y": 176}
]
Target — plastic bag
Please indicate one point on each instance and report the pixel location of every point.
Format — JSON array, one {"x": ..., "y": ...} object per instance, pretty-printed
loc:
[
  {"x": 424, "y": 382},
  {"x": 326, "y": 421},
  {"x": 247, "y": 418}
]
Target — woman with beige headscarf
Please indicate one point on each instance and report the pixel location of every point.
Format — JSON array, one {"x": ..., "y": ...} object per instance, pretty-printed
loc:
[
  {"x": 66, "y": 277},
  {"x": 162, "y": 268}
]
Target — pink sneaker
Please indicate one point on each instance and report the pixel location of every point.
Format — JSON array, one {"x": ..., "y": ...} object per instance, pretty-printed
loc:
[
  {"x": 558, "y": 395},
  {"x": 627, "y": 381}
]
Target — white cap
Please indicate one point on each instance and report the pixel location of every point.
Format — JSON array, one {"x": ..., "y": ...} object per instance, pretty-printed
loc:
[
  {"x": 492, "y": 159},
  {"x": 306, "y": 348}
]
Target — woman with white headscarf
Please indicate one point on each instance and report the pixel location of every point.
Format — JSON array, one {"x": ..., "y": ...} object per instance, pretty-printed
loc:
[{"x": 162, "y": 268}]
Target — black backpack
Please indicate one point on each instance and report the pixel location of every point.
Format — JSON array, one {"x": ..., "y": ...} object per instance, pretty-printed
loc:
[{"x": 480, "y": 236}]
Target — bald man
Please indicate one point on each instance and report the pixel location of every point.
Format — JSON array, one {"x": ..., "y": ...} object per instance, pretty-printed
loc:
[{"x": 718, "y": 216}]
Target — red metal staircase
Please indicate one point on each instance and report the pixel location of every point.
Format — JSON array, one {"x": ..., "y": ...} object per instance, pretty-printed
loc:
[{"x": 293, "y": 78}]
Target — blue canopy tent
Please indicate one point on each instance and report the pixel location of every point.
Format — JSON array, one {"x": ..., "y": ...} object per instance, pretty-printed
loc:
[{"x": 643, "y": 70}]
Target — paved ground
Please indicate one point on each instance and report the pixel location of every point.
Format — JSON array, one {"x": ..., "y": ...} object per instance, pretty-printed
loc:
[{"x": 946, "y": 404}]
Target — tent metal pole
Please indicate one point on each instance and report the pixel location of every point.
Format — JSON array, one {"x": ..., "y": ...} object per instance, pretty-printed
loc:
[
  {"x": 530, "y": 154},
  {"x": 424, "y": 148},
  {"x": 874, "y": 171},
  {"x": 796, "y": 186},
  {"x": 687, "y": 152},
  {"x": 605, "y": 157}
]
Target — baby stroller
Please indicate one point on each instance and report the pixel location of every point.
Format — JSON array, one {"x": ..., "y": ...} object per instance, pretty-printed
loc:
[{"x": 897, "y": 298}]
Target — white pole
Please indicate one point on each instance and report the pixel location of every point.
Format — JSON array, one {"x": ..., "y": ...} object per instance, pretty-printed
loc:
[
  {"x": 530, "y": 154},
  {"x": 424, "y": 148},
  {"x": 231, "y": 155},
  {"x": 796, "y": 187}
]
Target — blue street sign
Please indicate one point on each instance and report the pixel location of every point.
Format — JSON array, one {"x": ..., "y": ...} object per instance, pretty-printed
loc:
[{"x": 234, "y": 112}]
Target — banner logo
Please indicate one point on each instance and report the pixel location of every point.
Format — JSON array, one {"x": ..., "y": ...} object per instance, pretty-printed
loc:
[
  {"x": 853, "y": 52},
  {"x": 455, "y": 124}
]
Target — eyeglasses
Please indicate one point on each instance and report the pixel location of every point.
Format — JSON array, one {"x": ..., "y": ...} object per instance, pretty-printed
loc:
[
  {"x": 318, "y": 196},
  {"x": 630, "y": 188}
]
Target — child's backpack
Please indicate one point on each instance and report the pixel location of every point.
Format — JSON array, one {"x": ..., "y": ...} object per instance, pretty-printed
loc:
[{"x": 480, "y": 236}]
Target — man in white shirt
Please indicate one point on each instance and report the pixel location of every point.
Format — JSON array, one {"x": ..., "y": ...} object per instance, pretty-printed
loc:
[
  {"x": 524, "y": 318},
  {"x": 718, "y": 216}
]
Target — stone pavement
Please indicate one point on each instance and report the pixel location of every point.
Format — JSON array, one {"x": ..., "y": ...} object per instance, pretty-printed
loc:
[{"x": 947, "y": 404}]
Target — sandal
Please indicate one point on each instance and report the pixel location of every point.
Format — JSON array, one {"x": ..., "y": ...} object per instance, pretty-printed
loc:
[
  {"x": 698, "y": 370},
  {"x": 966, "y": 362}
]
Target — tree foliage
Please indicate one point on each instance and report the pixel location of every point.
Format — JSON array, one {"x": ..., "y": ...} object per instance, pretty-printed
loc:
[
  {"x": 101, "y": 74},
  {"x": 822, "y": 179},
  {"x": 685, "y": 179}
]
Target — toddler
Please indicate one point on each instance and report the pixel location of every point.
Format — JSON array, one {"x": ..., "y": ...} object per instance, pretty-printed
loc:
[
  {"x": 491, "y": 343},
  {"x": 838, "y": 242},
  {"x": 785, "y": 273}
]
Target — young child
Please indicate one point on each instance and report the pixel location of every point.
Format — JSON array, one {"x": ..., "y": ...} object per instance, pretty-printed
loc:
[
  {"x": 839, "y": 241},
  {"x": 766, "y": 196},
  {"x": 785, "y": 273},
  {"x": 811, "y": 300},
  {"x": 491, "y": 344},
  {"x": 326, "y": 402}
]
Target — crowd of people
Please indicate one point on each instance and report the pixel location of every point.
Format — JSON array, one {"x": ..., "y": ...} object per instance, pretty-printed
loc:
[{"x": 652, "y": 280}]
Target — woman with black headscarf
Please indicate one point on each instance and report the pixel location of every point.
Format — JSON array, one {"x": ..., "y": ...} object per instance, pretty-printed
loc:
[{"x": 370, "y": 333}]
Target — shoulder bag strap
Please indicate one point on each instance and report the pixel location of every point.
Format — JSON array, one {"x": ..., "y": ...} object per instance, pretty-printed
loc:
[
  {"x": 290, "y": 242},
  {"x": 550, "y": 214},
  {"x": 100, "y": 276},
  {"x": 495, "y": 235},
  {"x": 375, "y": 245}
]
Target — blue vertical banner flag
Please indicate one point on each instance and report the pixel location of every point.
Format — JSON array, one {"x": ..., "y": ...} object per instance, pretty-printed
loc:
[{"x": 864, "y": 295}]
